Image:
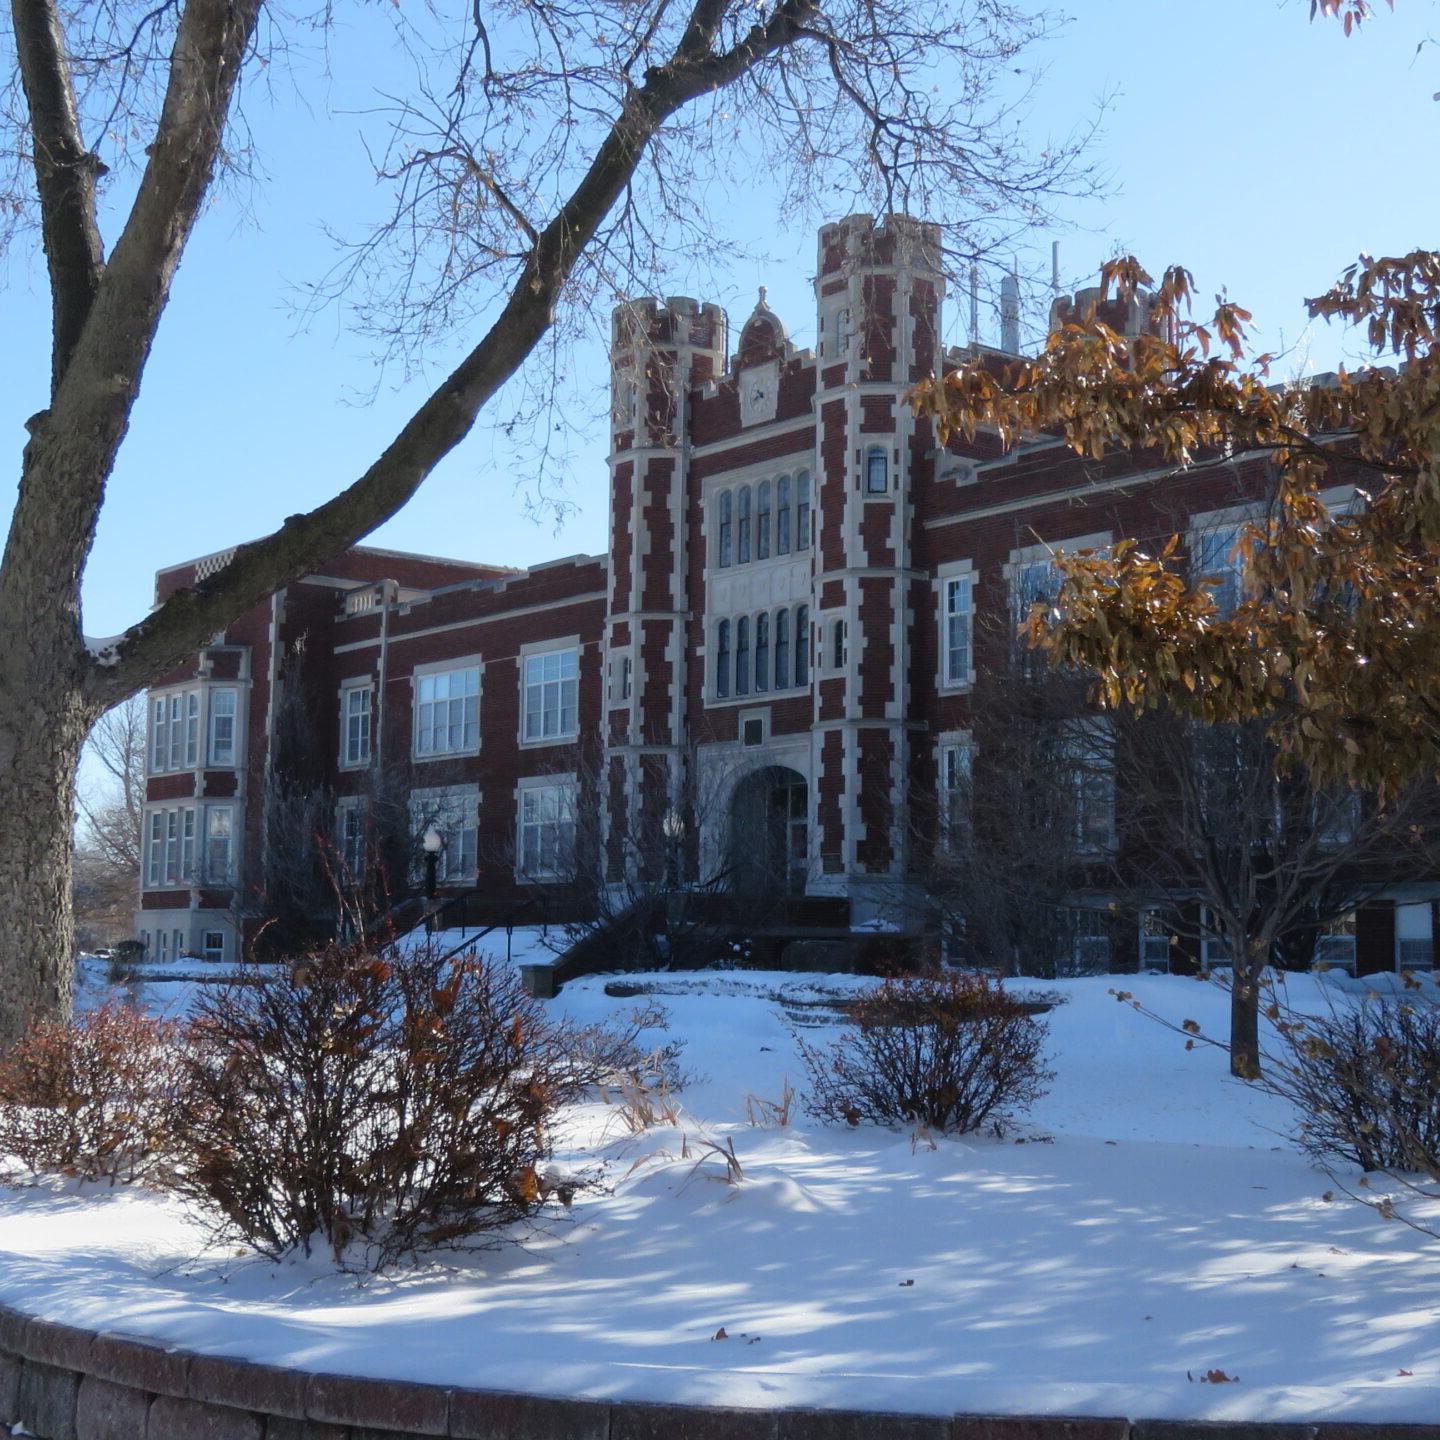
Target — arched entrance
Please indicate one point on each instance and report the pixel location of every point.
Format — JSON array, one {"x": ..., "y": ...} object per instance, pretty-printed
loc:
[{"x": 769, "y": 835}]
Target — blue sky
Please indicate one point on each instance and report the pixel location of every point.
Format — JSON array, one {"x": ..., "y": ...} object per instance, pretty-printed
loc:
[{"x": 1262, "y": 151}]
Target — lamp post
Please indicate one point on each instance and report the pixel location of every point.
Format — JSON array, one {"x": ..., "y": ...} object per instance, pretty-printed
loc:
[{"x": 432, "y": 842}]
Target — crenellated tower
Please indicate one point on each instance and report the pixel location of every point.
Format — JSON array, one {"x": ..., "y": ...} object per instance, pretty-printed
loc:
[
  {"x": 878, "y": 291},
  {"x": 660, "y": 351}
]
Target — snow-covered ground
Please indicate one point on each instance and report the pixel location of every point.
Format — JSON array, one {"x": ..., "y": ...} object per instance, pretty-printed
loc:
[{"x": 1154, "y": 1226}]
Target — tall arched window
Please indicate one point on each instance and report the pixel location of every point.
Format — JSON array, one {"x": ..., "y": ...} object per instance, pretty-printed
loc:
[
  {"x": 762, "y": 521},
  {"x": 840, "y": 334},
  {"x": 742, "y": 550},
  {"x": 726, "y": 530},
  {"x": 877, "y": 471},
  {"x": 802, "y": 645},
  {"x": 722, "y": 660},
  {"x": 782, "y": 648},
  {"x": 762, "y": 652},
  {"x": 742, "y": 656},
  {"x": 802, "y": 510},
  {"x": 782, "y": 515}
]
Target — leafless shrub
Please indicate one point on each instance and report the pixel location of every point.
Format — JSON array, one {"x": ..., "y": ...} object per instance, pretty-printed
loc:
[
  {"x": 1366, "y": 1079},
  {"x": 384, "y": 1103},
  {"x": 951, "y": 1051},
  {"x": 93, "y": 1099}
]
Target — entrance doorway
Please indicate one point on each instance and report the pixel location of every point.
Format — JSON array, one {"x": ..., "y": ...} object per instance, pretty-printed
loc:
[{"x": 769, "y": 833}]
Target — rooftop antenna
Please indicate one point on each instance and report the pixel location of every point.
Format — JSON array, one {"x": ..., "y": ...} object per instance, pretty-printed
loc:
[
  {"x": 1010, "y": 313},
  {"x": 1055, "y": 268},
  {"x": 974, "y": 303}
]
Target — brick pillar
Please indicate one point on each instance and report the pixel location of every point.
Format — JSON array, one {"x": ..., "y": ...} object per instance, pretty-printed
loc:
[
  {"x": 659, "y": 351},
  {"x": 878, "y": 294}
]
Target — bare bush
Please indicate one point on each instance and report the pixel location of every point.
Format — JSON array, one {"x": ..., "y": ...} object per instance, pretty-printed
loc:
[
  {"x": 951, "y": 1051},
  {"x": 380, "y": 1103},
  {"x": 94, "y": 1099},
  {"x": 1366, "y": 1079}
]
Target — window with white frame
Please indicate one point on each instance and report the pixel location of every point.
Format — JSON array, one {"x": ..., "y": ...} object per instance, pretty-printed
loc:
[
  {"x": 219, "y": 844},
  {"x": 1090, "y": 941},
  {"x": 1414, "y": 937},
  {"x": 212, "y": 945},
  {"x": 877, "y": 471},
  {"x": 802, "y": 510},
  {"x": 545, "y": 842},
  {"x": 1217, "y": 556},
  {"x": 1154, "y": 941},
  {"x": 223, "y": 707},
  {"x": 447, "y": 712},
  {"x": 1033, "y": 581},
  {"x": 351, "y": 827},
  {"x": 957, "y": 637},
  {"x": 956, "y": 767},
  {"x": 175, "y": 732},
  {"x": 1088, "y": 752},
  {"x": 549, "y": 702},
  {"x": 454, "y": 812},
  {"x": 1214, "y": 951},
  {"x": 356, "y": 703},
  {"x": 1335, "y": 945},
  {"x": 170, "y": 846},
  {"x": 725, "y": 531}
]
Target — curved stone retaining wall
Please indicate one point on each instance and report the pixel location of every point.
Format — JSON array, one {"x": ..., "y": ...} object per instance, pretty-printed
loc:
[{"x": 62, "y": 1383}]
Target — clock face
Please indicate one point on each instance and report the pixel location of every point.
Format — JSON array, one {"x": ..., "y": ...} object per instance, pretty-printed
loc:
[{"x": 759, "y": 390}]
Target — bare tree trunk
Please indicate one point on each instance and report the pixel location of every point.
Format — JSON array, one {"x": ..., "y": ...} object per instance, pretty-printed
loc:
[
  {"x": 1245, "y": 1020},
  {"x": 42, "y": 727}
]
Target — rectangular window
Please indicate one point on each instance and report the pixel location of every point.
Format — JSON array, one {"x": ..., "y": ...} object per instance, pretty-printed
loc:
[
  {"x": 782, "y": 515},
  {"x": 627, "y": 677},
  {"x": 1088, "y": 750},
  {"x": 455, "y": 814},
  {"x": 350, "y": 837},
  {"x": 762, "y": 521},
  {"x": 1217, "y": 554},
  {"x": 1033, "y": 582},
  {"x": 550, "y": 699},
  {"x": 726, "y": 531},
  {"x": 175, "y": 732},
  {"x": 1414, "y": 937},
  {"x": 355, "y": 707},
  {"x": 447, "y": 712},
  {"x": 170, "y": 846},
  {"x": 547, "y": 831},
  {"x": 222, "y": 727},
  {"x": 160, "y": 736},
  {"x": 1336, "y": 945},
  {"x": 959, "y": 631},
  {"x": 956, "y": 766},
  {"x": 802, "y": 510},
  {"x": 1214, "y": 952},
  {"x": 1090, "y": 952},
  {"x": 213, "y": 946},
  {"x": 877, "y": 472},
  {"x": 219, "y": 854},
  {"x": 192, "y": 729},
  {"x": 1154, "y": 941},
  {"x": 155, "y": 856}
]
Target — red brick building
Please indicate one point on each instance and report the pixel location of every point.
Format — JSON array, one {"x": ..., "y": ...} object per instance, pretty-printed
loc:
[{"x": 768, "y": 669}]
